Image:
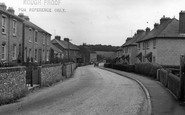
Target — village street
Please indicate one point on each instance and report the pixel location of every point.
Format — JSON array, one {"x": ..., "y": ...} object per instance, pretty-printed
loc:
[{"x": 91, "y": 91}]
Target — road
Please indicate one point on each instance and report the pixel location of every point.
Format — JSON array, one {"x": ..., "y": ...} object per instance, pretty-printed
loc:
[{"x": 91, "y": 91}]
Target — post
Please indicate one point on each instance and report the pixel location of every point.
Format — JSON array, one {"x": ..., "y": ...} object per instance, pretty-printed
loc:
[
  {"x": 68, "y": 51},
  {"x": 182, "y": 77}
]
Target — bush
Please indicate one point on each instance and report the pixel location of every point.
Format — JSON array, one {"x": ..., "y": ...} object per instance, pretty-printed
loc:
[{"x": 148, "y": 69}]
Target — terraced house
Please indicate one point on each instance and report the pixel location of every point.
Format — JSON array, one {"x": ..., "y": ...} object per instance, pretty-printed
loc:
[
  {"x": 10, "y": 35},
  {"x": 36, "y": 42},
  {"x": 130, "y": 47},
  {"x": 70, "y": 51},
  {"x": 165, "y": 43},
  {"x": 21, "y": 39}
]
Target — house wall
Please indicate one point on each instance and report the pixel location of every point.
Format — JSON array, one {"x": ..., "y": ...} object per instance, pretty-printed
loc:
[
  {"x": 9, "y": 39},
  {"x": 30, "y": 44},
  {"x": 169, "y": 51},
  {"x": 133, "y": 53}
]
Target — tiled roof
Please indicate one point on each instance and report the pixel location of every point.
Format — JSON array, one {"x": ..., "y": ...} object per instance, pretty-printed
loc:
[
  {"x": 30, "y": 24},
  {"x": 64, "y": 44},
  {"x": 55, "y": 48},
  {"x": 167, "y": 29},
  {"x": 134, "y": 39}
]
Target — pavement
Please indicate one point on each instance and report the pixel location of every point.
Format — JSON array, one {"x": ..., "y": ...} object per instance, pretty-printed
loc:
[{"x": 162, "y": 101}]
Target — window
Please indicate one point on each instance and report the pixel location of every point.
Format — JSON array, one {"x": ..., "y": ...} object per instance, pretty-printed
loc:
[
  {"x": 36, "y": 35},
  {"x": 143, "y": 45},
  {"x": 35, "y": 55},
  {"x": 43, "y": 55},
  {"x": 3, "y": 51},
  {"x": 148, "y": 44},
  {"x": 153, "y": 59},
  {"x": 139, "y": 46},
  {"x": 14, "y": 52},
  {"x": 30, "y": 33},
  {"x": 30, "y": 53},
  {"x": 154, "y": 43},
  {"x": 44, "y": 38},
  {"x": 47, "y": 56},
  {"x": 4, "y": 24},
  {"x": 14, "y": 27}
]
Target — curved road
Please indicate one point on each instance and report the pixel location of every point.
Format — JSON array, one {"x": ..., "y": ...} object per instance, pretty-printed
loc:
[{"x": 91, "y": 91}]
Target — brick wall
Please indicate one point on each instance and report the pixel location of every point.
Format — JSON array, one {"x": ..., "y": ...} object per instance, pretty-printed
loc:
[{"x": 12, "y": 84}]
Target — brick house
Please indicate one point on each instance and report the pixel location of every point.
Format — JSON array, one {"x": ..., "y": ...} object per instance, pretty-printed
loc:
[
  {"x": 71, "y": 51},
  {"x": 130, "y": 47},
  {"x": 165, "y": 43},
  {"x": 87, "y": 54},
  {"x": 11, "y": 36},
  {"x": 36, "y": 42}
]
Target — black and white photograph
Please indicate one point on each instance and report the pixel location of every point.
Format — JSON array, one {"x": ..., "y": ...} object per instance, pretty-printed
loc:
[{"x": 92, "y": 57}]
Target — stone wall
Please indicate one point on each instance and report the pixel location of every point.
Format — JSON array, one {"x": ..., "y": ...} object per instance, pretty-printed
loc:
[
  {"x": 51, "y": 74},
  {"x": 12, "y": 84}
]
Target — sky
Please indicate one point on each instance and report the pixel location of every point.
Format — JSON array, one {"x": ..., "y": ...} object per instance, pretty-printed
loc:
[{"x": 106, "y": 22}]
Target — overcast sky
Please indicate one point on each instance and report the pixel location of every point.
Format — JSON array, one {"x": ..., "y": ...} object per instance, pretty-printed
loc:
[{"x": 107, "y": 22}]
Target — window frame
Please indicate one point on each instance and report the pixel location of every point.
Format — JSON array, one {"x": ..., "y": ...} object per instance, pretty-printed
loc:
[
  {"x": 14, "y": 52},
  {"x": 3, "y": 56},
  {"x": 4, "y": 24},
  {"x": 30, "y": 33},
  {"x": 14, "y": 27},
  {"x": 36, "y": 36}
]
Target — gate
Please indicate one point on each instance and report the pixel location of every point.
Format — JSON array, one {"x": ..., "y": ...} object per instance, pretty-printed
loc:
[{"x": 33, "y": 75}]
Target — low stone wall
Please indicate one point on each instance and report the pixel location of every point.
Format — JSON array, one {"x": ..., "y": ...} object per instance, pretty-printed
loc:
[
  {"x": 12, "y": 84},
  {"x": 51, "y": 74}
]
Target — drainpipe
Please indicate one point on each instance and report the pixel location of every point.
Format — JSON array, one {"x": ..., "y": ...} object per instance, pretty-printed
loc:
[
  {"x": 9, "y": 28},
  {"x": 23, "y": 40}
]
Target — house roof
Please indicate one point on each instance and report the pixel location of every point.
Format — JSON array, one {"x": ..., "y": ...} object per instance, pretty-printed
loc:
[
  {"x": 10, "y": 14},
  {"x": 32, "y": 25},
  {"x": 65, "y": 45},
  {"x": 55, "y": 48},
  {"x": 167, "y": 29},
  {"x": 136, "y": 37}
]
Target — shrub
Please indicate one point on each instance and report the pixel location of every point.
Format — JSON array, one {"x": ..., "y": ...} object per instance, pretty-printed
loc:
[{"x": 148, "y": 69}]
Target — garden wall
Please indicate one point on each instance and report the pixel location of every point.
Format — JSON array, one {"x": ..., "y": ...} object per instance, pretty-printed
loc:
[{"x": 12, "y": 84}]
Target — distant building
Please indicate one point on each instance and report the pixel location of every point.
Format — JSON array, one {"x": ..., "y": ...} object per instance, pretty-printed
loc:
[
  {"x": 87, "y": 55},
  {"x": 56, "y": 52},
  {"x": 71, "y": 51},
  {"x": 165, "y": 43}
]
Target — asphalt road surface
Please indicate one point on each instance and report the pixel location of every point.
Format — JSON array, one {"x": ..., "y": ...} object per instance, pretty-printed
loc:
[{"x": 91, "y": 91}]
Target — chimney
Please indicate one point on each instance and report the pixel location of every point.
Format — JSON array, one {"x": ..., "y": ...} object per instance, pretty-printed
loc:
[
  {"x": 27, "y": 18},
  {"x": 182, "y": 22},
  {"x": 3, "y": 6},
  {"x": 156, "y": 25},
  {"x": 11, "y": 10},
  {"x": 129, "y": 38},
  {"x": 66, "y": 39},
  {"x": 164, "y": 19},
  {"x": 147, "y": 29},
  {"x": 58, "y": 38},
  {"x": 139, "y": 31},
  {"x": 21, "y": 15}
]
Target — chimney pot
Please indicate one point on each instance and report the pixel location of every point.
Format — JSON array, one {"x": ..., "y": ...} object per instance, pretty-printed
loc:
[
  {"x": 147, "y": 29},
  {"x": 66, "y": 39},
  {"x": 3, "y": 6},
  {"x": 156, "y": 25},
  {"x": 129, "y": 38},
  {"x": 140, "y": 31},
  {"x": 11, "y": 10},
  {"x": 58, "y": 38},
  {"x": 164, "y": 19}
]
